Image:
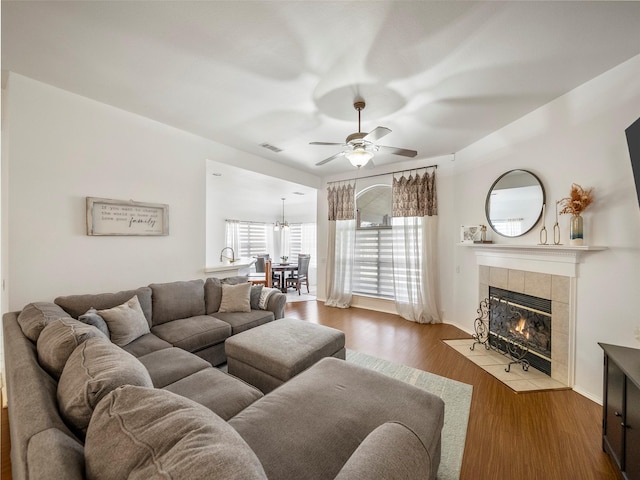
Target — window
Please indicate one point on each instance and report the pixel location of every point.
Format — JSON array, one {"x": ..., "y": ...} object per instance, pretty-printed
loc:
[
  {"x": 249, "y": 238},
  {"x": 373, "y": 263},
  {"x": 302, "y": 239},
  {"x": 374, "y": 207}
]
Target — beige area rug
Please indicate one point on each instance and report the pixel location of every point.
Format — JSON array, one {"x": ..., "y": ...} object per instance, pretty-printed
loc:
[
  {"x": 494, "y": 363},
  {"x": 457, "y": 401}
]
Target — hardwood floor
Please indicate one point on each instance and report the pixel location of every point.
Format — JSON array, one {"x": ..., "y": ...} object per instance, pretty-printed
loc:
[{"x": 529, "y": 436}]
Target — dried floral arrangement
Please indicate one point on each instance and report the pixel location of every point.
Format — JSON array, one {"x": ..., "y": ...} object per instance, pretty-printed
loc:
[{"x": 577, "y": 201}]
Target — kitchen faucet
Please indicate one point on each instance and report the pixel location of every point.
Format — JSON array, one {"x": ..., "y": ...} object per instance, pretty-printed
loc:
[{"x": 233, "y": 255}]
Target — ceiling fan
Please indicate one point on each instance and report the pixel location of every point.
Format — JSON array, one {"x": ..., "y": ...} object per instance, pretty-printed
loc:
[{"x": 360, "y": 147}]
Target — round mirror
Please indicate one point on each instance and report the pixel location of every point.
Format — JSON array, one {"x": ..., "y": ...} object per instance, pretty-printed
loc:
[{"x": 514, "y": 203}]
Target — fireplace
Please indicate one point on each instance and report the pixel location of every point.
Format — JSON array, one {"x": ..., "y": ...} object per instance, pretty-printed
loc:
[
  {"x": 544, "y": 271},
  {"x": 520, "y": 324}
]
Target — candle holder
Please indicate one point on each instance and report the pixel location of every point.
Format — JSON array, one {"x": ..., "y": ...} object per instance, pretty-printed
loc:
[
  {"x": 556, "y": 228},
  {"x": 543, "y": 231}
]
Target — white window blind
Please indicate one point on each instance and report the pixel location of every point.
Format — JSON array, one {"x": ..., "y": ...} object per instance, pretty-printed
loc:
[
  {"x": 252, "y": 238},
  {"x": 302, "y": 239},
  {"x": 373, "y": 265}
]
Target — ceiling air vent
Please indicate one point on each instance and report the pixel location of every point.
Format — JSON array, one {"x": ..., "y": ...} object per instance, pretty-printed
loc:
[{"x": 268, "y": 146}]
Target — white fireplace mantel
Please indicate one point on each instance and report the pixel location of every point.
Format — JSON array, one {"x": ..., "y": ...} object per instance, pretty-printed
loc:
[{"x": 552, "y": 259}]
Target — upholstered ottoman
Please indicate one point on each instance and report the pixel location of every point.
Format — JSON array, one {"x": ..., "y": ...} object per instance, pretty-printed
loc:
[{"x": 269, "y": 355}]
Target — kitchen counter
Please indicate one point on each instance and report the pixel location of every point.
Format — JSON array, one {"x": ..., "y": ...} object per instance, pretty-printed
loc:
[{"x": 230, "y": 269}]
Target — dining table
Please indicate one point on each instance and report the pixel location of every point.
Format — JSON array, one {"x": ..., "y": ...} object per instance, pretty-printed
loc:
[{"x": 283, "y": 268}]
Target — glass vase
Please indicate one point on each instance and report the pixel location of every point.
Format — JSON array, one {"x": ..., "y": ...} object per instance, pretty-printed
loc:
[{"x": 576, "y": 237}]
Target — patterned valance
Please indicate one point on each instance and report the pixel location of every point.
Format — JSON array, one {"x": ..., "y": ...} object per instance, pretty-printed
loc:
[
  {"x": 415, "y": 196},
  {"x": 341, "y": 200}
]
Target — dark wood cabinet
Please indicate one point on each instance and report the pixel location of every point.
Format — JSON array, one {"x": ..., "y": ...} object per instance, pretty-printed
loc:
[{"x": 621, "y": 408}]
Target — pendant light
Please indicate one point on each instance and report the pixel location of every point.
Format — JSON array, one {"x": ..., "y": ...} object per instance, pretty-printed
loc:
[{"x": 284, "y": 225}]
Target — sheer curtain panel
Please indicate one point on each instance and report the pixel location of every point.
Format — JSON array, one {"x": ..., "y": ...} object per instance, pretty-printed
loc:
[
  {"x": 341, "y": 244},
  {"x": 414, "y": 228},
  {"x": 232, "y": 235}
]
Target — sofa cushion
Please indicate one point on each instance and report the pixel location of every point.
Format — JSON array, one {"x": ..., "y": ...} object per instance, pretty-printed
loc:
[
  {"x": 146, "y": 344},
  {"x": 77, "y": 305},
  {"x": 175, "y": 300},
  {"x": 392, "y": 450},
  {"x": 213, "y": 290},
  {"x": 139, "y": 433},
  {"x": 91, "y": 317},
  {"x": 95, "y": 368},
  {"x": 223, "y": 394},
  {"x": 194, "y": 333},
  {"x": 59, "y": 339},
  {"x": 35, "y": 316},
  {"x": 236, "y": 298},
  {"x": 126, "y": 322},
  {"x": 171, "y": 364},
  {"x": 244, "y": 321},
  {"x": 52, "y": 453}
]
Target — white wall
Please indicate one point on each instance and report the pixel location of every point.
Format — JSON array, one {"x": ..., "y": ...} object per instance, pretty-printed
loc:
[
  {"x": 62, "y": 148},
  {"x": 578, "y": 138}
]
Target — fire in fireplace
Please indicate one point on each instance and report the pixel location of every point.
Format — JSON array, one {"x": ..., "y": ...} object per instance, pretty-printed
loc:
[{"x": 523, "y": 322}]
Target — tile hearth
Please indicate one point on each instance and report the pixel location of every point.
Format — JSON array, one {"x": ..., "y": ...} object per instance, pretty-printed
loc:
[{"x": 494, "y": 363}]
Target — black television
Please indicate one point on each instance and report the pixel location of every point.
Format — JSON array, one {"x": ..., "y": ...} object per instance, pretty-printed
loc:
[{"x": 633, "y": 141}]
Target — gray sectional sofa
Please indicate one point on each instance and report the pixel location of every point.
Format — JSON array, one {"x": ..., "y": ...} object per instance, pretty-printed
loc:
[{"x": 82, "y": 406}]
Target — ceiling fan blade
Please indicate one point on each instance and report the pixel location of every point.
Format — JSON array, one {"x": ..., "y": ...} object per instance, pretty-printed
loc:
[
  {"x": 376, "y": 134},
  {"x": 332, "y": 157},
  {"x": 398, "y": 151},
  {"x": 324, "y": 143}
]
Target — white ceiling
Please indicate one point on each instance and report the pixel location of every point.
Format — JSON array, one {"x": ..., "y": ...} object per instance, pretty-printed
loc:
[{"x": 440, "y": 75}]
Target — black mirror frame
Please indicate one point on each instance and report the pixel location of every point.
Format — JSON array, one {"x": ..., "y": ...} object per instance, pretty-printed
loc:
[{"x": 486, "y": 203}]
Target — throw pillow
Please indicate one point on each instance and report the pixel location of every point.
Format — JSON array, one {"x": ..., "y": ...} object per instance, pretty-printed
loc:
[
  {"x": 264, "y": 297},
  {"x": 95, "y": 368},
  {"x": 91, "y": 317},
  {"x": 213, "y": 291},
  {"x": 35, "y": 316},
  {"x": 236, "y": 298},
  {"x": 126, "y": 322},
  {"x": 59, "y": 339},
  {"x": 141, "y": 433},
  {"x": 256, "y": 290}
]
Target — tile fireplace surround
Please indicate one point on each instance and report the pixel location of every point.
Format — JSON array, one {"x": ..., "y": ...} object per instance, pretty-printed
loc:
[{"x": 548, "y": 272}]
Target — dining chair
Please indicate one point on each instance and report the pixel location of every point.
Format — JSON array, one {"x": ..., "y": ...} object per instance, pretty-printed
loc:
[
  {"x": 301, "y": 275},
  {"x": 260, "y": 259},
  {"x": 265, "y": 278},
  {"x": 275, "y": 278}
]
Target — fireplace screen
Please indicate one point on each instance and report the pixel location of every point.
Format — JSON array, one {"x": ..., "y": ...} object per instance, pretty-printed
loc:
[{"x": 518, "y": 319}]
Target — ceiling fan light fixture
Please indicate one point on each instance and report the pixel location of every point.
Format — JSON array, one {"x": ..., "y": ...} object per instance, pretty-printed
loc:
[{"x": 359, "y": 156}]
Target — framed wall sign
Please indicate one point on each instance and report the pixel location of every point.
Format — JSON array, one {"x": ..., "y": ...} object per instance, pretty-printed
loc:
[{"x": 121, "y": 217}]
